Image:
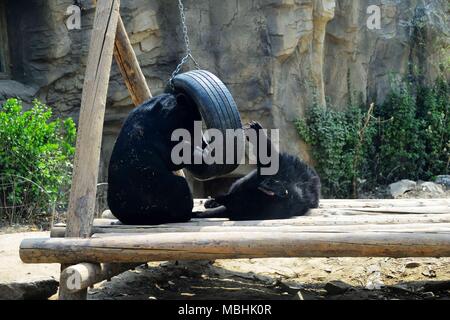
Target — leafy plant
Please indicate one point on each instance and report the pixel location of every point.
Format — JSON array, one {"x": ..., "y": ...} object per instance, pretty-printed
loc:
[
  {"x": 415, "y": 143},
  {"x": 407, "y": 137},
  {"x": 434, "y": 112},
  {"x": 338, "y": 146},
  {"x": 35, "y": 160},
  {"x": 398, "y": 144}
]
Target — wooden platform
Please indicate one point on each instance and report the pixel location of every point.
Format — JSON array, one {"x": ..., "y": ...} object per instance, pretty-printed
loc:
[
  {"x": 340, "y": 228},
  {"x": 332, "y": 216}
]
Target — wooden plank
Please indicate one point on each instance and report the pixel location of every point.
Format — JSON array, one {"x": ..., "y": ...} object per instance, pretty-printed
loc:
[
  {"x": 90, "y": 128},
  {"x": 368, "y": 203},
  {"x": 129, "y": 67},
  {"x": 371, "y": 206},
  {"x": 374, "y": 203},
  {"x": 234, "y": 245},
  {"x": 381, "y": 210},
  {"x": 111, "y": 226},
  {"x": 85, "y": 275},
  {"x": 400, "y": 228},
  {"x": 303, "y": 220},
  {"x": 355, "y": 211}
]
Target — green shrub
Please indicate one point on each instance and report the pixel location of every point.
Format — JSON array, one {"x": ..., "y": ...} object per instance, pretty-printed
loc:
[
  {"x": 338, "y": 140},
  {"x": 433, "y": 110},
  {"x": 407, "y": 137},
  {"x": 398, "y": 147},
  {"x": 35, "y": 160},
  {"x": 414, "y": 143}
]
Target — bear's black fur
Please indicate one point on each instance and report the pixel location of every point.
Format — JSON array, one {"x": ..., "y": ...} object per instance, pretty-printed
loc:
[
  {"x": 142, "y": 188},
  {"x": 291, "y": 192}
]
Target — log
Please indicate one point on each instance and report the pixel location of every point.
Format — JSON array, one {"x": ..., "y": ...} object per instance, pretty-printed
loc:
[
  {"x": 90, "y": 128},
  {"x": 399, "y": 228},
  {"x": 328, "y": 212},
  {"x": 129, "y": 67},
  {"x": 65, "y": 294},
  {"x": 374, "y": 203},
  {"x": 385, "y": 210},
  {"x": 84, "y": 275},
  {"x": 109, "y": 226},
  {"x": 234, "y": 245},
  {"x": 369, "y": 203},
  {"x": 304, "y": 220}
]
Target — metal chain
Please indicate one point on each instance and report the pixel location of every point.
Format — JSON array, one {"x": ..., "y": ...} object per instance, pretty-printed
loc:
[{"x": 186, "y": 43}]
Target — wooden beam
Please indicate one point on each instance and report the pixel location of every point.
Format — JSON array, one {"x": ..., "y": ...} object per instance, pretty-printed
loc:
[
  {"x": 375, "y": 203},
  {"x": 234, "y": 245},
  {"x": 64, "y": 293},
  {"x": 84, "y": 275},
  {"x": 90, "y": 128},
  {"x": 129, "y": 67},
  {"x": 110, "y": 226},
  {"x": 399, "y": 228},
  {"x": 369, "y": 203},
  {"x": 400, "y": 210},
  {"x": 325, "y": 219}
]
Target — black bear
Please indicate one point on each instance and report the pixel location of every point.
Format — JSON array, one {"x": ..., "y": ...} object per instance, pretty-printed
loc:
[
  {"x": 291, "y": 192},
  {"x": 142, "y": 188}
]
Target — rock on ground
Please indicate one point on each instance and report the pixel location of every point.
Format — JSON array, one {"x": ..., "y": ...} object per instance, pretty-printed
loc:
[
  {"x": 443, "y": 180},
  {"x": 433, "y": 188},
  {"x": 399, "y": 188},
  {"x": 19, "y": 281}
]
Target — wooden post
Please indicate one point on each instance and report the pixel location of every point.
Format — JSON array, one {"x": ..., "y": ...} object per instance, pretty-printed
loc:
[
  {"x": 85, "y": 275},
  {"x": 90, "y": 128},
  {"x": 64, "y": 288},
  {"x": 129, "y": 67}
]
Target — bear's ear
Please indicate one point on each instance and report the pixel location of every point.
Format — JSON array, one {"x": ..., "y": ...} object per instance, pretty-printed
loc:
[{"x": 273, "y": 188}]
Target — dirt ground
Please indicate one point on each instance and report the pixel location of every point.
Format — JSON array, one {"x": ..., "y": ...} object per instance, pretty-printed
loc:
[
  {"x": 293, "y": 278},
  {"x": 283, "y": 279}
]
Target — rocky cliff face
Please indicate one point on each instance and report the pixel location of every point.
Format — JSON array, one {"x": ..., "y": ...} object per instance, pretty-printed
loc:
[{"x": 274, "y": 55}]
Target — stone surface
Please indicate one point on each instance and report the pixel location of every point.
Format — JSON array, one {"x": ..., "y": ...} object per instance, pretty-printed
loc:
[
  {"x": 24, "y": 281},
  {"x": 401, "y": 187},
  {"x": 412, "y": 265},
  {"x": 443, "y": 180},
  {"x": 274, "y": 55},
  {"x": 14, "y": 89},
  {"x": 336, "y": 287},
  {"x": 433, "y": 188},
  {"x": 39, "y": 289}
]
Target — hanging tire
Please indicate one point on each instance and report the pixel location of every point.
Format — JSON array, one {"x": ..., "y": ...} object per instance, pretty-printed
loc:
[{"x": 218, "y": 111}]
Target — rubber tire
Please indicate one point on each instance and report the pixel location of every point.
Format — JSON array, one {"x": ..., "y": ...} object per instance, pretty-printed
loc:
[{"x": 217, "y": 109}]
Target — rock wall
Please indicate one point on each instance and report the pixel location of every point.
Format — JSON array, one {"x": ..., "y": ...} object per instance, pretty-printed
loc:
[
  {"x": 371, "y": 57},
  {"x": 274, "y": 55}
]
